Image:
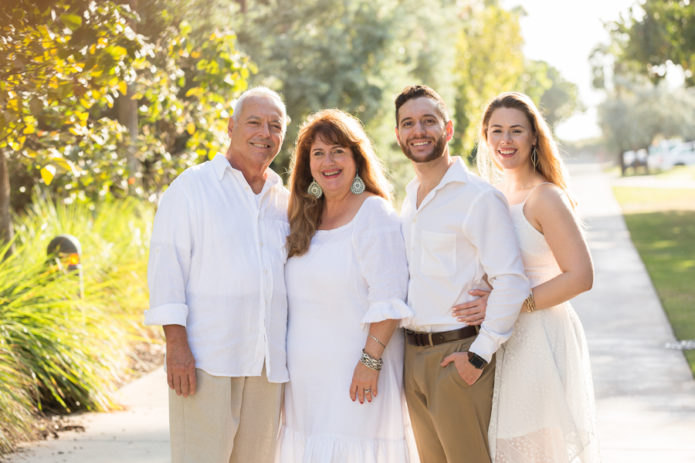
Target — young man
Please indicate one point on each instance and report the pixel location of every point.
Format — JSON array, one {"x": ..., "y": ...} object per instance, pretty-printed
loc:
[
  {"x": 216, "y": 278},
  {"x": 458, "y": 235}
]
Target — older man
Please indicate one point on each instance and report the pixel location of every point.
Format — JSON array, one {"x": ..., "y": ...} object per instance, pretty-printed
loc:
[
  {"x": 459, "y": 236},
  {"x": 217, "y": 287}
]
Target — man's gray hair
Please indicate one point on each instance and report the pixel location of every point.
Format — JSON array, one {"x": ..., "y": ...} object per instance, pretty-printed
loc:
[{"x": 264, "y": 92}]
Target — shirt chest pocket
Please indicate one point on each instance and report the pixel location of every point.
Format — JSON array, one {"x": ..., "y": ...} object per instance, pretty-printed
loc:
[{"x": 437, "y": 253}]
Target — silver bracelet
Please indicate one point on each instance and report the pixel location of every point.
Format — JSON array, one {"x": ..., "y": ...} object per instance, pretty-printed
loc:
[
  {"x": 377, "y": 341},
  {"x": 370, "y": 362}
]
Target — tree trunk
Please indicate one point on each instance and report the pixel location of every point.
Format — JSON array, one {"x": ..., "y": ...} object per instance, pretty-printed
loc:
[
  {"x": 6, "y": 231},
  {"x": 128, "y": 116}
]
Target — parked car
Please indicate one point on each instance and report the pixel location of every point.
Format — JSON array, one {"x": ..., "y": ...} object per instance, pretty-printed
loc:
[
  {"x": 635, "y": 158},
  {"x": 682, "y": 154}
]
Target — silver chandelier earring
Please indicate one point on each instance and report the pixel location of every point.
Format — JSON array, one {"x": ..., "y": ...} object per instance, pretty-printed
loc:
[
  {"x": 534, "y": 157},
  {"x": 357, "y": 186},
  {"x": 315, "y": 189}
]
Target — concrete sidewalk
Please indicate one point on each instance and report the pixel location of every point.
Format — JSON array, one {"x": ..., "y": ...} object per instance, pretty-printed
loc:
[
  {"x": 139, "y": 434},
  {"x": 645, "y": 393}
]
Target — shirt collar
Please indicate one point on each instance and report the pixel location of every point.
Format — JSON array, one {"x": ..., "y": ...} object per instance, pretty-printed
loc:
[
  {"x": 220, "y": 165},
  {"x": 457, "y": 172},
  {"x": 272, "y": 181}
]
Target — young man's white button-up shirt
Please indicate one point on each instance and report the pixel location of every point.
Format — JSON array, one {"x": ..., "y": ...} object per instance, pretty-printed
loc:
[
  {"x": 217, "y": 267},
  {"x": 461, "y": 232}
]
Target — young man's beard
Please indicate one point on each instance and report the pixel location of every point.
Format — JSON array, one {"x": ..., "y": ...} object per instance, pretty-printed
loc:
[{"x": 436, "y": 153}]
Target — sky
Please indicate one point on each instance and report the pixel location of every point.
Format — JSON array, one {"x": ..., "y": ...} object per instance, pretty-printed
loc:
[{"x": 563, "y": 33}]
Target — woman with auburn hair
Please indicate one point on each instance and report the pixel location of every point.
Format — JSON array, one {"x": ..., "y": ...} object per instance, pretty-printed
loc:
[
  {"x": 346, "y": 279},
  {"x": 543, "y": 402}
]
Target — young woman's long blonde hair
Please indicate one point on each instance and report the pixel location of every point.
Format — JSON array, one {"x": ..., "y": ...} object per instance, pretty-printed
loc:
[
  {"x": 548, "y": 164},
  {"x": 338, "y": 128}
]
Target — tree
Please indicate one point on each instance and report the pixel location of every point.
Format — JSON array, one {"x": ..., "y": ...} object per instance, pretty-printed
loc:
[
  {"x": 70, "y": 69},
  {"x": 640, "y": 107},
  {"x": 352, "y": 54},
  {"x": 639, "y": 112},
  {"x": 358, "y": 54},
  {"x": 556, "y": 97},
  {"x": 56, "y": 63},
  {"x": 658, "y": 32},
  {"x": 184, "y": 94},
  {"x": 489, "y": 60},
  {"x": 321, "y": 54}
]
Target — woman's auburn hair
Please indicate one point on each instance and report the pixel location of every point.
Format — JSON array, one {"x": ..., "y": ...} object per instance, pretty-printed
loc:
[
  {"x": 335, "y": 127},
  {"x": 549, "y": 163}
]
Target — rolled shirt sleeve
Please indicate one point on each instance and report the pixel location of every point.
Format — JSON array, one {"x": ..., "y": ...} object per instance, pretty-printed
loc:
[
  {"x": 489, "y": 228},
  {"x": 170, "y": 259}
]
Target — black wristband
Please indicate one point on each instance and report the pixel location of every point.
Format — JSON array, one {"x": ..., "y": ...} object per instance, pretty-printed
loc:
[{"x": 476, "y": 360}]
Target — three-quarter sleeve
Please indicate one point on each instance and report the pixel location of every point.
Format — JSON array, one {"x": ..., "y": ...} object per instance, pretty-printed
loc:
[
  {"x": 489, "y": 228},
  {"x": 170, "y": 259},
  {"x": 380, "y": 254}
]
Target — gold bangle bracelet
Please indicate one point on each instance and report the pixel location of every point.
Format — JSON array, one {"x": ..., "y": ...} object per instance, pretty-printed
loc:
[{"x": 530, "y": 303}]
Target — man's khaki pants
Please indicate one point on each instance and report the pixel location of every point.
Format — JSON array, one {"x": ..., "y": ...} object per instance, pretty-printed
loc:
[
  {"x": 227, "y": 420},
  {"x": 450, "y": 418}
]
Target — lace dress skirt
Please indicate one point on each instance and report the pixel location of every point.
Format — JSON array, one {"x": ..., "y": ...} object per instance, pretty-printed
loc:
[{"x": 543, "y": 404}]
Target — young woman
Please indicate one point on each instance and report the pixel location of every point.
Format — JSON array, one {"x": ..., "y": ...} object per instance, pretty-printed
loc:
[{"x": 543, "y": 403}]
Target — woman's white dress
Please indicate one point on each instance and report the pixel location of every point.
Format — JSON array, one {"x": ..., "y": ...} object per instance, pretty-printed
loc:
[
  {"x": 350, "y": 277},
  {"x": 543, "y": 402}
]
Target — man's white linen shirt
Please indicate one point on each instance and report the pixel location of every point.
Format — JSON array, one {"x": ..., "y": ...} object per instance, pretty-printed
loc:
[
  {"x": 461, "y": 232},
  {"x": 216, "y": 267}
]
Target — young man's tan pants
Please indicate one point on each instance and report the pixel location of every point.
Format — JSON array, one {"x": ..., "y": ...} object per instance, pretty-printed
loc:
[
  {"x": 227, "y": 420},
  {"x": 450, "y": 418}
]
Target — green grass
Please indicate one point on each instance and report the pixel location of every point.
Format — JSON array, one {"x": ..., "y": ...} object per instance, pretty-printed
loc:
[
  {"x": 662, "y": 227},
  {"x": 636, "y": 199},
  {"x": 59, "y": 352},
  {"x": 678, "y": 173}
]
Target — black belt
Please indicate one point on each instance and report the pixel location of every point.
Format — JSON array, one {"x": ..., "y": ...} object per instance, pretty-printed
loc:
[{"x": 432, "y": 339}]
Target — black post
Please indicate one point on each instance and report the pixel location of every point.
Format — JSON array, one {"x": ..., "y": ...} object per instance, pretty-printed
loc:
[{"x": 67, "y": 252}]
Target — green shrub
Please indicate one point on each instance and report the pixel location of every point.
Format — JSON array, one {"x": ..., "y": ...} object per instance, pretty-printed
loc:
[{"x": 60, "y": 352}]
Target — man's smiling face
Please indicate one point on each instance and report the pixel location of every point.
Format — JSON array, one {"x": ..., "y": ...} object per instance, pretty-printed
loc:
[{"x": 422, "y": 131}]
